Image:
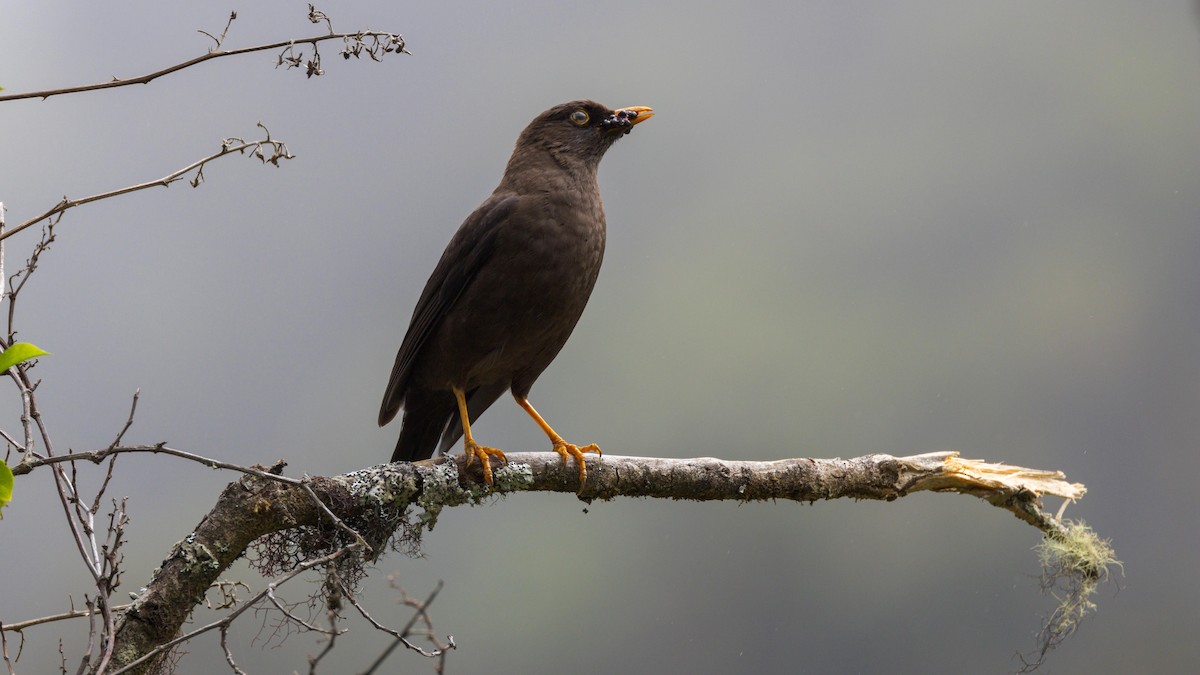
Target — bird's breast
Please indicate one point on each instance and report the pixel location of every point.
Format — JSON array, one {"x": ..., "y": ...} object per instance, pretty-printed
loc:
[
  {"x": 524, "y": 302},
  {"x": 556, "y": 245}
]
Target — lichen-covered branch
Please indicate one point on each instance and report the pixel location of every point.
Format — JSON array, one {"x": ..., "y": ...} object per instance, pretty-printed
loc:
[
  {"x": 1016, "y": 489},
  {"x": 378, "y": 501}
]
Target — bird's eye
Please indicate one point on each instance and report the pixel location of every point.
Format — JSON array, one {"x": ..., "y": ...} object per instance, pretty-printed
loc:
[{"x": 579, "y": 118}]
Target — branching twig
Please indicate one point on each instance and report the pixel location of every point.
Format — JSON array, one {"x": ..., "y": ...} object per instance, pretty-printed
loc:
[
  {"x": 334, "y": 593},
  {"x": 228, "y": 591},
  {"x": 8, "y": 659},
  {"x": 229, "y": 599},
  {"x": 3, "y": 225},
  {"x": 29, "y": 463},
  {"x": 267, "y": 150},
  {"x": 99, "y": 456},
  {"x": 419, "y": 614},
  {"x": 317, "y": 16},
  {"x": 383, "y": 43},
  {"x": 225, "y": 648},
  {"x": 304, "y": 623},
  {"x": 101, "y": 560},
  {"x": 23, "y": 275},
  {"x": 31, "y": 417},
  {"x": 18, "y": 626},
  {"x": 12, "y": 441},
  {"x": 137, "y": 393},
  {"x": 221, "y": 40}
]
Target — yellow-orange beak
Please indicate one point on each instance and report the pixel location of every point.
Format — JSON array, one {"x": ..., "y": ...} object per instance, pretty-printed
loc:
[{"x": 635, "y": 114}]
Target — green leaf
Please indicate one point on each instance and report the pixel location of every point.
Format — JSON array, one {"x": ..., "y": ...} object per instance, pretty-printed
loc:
[
  {"x": 6, "y": 486},
  {"x": 18, "y": 353}
]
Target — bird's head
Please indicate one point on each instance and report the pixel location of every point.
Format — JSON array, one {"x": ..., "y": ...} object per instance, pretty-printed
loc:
[{"x": 580, "y": 129}]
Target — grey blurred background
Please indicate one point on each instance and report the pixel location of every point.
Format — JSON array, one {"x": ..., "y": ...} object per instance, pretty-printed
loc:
[{"x": 851, "y": 228}]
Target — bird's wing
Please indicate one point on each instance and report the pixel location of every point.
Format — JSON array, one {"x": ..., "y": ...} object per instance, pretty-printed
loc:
[{"x": 466, "y": 253}]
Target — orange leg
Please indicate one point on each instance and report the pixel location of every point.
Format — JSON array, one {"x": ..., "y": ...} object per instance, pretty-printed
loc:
[
  {"x": 563, "y": 448},
  {"x": 470, "y": 447}
]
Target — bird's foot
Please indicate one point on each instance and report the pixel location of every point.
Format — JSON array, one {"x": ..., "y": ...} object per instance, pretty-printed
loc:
[
  {"x": 474, "y": 450},
  {"x": 565, "y": 449}
]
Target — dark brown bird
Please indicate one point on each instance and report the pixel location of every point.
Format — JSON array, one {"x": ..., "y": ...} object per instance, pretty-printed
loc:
[{"x": 509, "y": 288}]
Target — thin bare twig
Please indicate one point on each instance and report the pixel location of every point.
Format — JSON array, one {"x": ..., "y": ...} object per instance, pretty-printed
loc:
[
  {"x": 91, "y": 643},
  {"x": 278, "y": 151},
  {"x": 354, "y": 535},
  {"x": 68, "y": 495},
  {"x": 225, "y": 648},
  {"x": 137, "y": 393},
  {"x": 111, "y": 567},
  {"x": 402, "y": 635},
  {"x": 108, "y": 474},
  {"x": 19, "y": 626},
  {"x": 26, "y": 407},
  {"x": 3, "y": 291},
  {"x": 24, "y": 274},
  {"x": 100, "y": 455},
  {"x": 101, "y": 562},
  {"x": 83, "y": 516},
  {"x": 228, "y": 591},
  {"x": 11, "y": 441},
  {"x": 297, "y": 620},
  {"x": 388, "y": 43},
  {"x": 315, "y": 661},
  {"x": 8, "y": 661},
  {"x": 317, "y": 16},
  {"x": 220, "y": 40},
  {"x": 229, "y": 599},
  {"x": 334, "y": 594}
]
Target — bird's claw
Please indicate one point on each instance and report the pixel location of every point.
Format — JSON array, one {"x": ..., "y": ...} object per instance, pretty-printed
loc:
[
  {"x": 565, "y": 449},
  {"x": 474, "y": 450}
]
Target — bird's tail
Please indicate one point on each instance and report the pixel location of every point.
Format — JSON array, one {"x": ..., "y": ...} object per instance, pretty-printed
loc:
[{"x": 426, "y": 414}]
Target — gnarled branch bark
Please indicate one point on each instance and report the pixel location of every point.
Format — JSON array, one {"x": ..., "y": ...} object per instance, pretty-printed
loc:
[{"x": 256, "y": 505}]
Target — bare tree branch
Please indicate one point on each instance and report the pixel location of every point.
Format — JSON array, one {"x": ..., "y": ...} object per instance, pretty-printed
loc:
[
  {"x": 885, "y": 477},
  {"x": 18, "y": 280},
  {"x": 18, "y": 626},
  {"x": 274, "y": 153},
  {"x": 137, "y": 393},
  {"x": 98, "y": 456},
  {"x": 8, "y": 659},
  {"x": 221, "y": 40},
  {"x": 374, "y": 42},
  {"x": 419, "y": 614}
]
